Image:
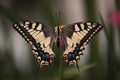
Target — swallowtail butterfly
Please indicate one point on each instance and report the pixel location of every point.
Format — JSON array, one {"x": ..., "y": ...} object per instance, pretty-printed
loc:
[{"x": 41, "y": 37}]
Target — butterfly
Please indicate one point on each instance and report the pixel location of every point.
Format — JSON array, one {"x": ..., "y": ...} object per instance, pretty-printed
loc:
[{"x": 42, "y": 37}]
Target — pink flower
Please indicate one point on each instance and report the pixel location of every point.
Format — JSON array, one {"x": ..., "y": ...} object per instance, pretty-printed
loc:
[{"x": 115, "y": 17}]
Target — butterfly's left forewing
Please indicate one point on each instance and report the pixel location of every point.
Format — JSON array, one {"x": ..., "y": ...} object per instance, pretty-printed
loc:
[
  {"x": 40, "y": 37},
  {"x": 75, "y": 37}
]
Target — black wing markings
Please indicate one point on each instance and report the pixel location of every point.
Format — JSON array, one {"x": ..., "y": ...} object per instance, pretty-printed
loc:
[
  {"x": 27, "y": 30},
  {"x": 78, "y": 34}
]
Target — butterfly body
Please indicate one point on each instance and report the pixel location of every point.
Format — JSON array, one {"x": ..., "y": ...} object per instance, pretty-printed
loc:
[{"x": 41, "y": 37}]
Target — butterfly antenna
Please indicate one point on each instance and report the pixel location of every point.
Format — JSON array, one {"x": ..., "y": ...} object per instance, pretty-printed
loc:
[
  {"x": 59, "y": 14},
  {"x": 56, "y": 19},
  {"x": 58, "y": 28},
  {"x": 55, "y": 29}
]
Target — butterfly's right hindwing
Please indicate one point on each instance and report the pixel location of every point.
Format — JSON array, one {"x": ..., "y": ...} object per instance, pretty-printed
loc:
[{"x": 40, "y": 37}]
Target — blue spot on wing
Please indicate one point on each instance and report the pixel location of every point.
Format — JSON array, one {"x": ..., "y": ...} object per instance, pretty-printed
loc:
[{"x": 44, "y": 55}]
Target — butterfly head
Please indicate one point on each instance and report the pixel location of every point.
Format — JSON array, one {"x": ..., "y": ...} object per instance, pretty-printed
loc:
[{"x": 60, "y": 28}]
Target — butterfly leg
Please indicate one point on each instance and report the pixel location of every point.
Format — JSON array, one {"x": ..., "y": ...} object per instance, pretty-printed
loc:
[
  {"x": 77, "y": 66},
  {"x": 39, "y": 67}
]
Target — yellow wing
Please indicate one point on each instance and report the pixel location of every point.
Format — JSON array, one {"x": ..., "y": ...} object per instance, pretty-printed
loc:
[
  {"x": 75, "y": 37},
  {"x": 40, "y": 37}
]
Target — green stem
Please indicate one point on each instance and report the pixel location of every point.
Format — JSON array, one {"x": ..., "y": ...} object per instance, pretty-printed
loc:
[
  {"x": 118, "y": 8},
  {"x": 61, "y": 66},
  {"x": 111, "y": 56}
]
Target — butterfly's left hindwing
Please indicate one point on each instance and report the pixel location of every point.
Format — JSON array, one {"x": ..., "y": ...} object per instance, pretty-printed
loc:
[
  {"x": 40, "y": 37},
  {"x": 75, "y": 37}
]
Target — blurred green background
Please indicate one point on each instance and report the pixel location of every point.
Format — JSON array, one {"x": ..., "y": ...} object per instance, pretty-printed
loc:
[{"x": 101, "y": 59}]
